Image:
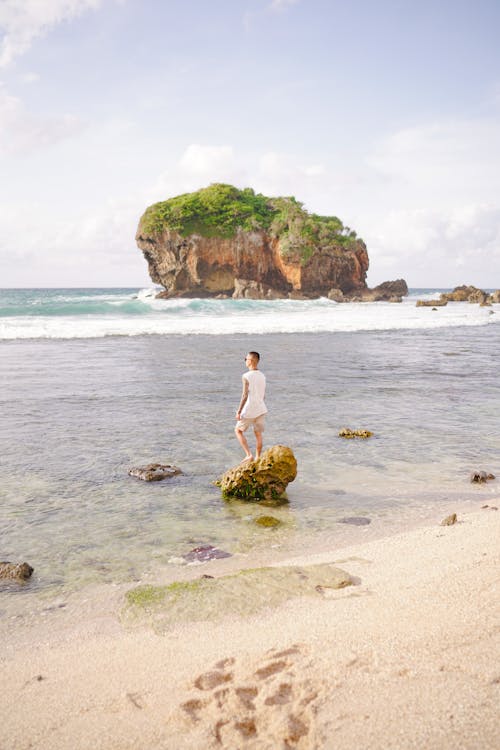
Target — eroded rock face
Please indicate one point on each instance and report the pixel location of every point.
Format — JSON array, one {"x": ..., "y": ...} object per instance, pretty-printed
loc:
[
  {"x": 388, "y": 291},
  {"x": 264, "y": 479},
  {"x": 249, "y": 265},
  {"x": 471, "y": 294}
]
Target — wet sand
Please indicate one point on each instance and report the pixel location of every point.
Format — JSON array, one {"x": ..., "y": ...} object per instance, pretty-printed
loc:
[{"x": 407, "y": 657}]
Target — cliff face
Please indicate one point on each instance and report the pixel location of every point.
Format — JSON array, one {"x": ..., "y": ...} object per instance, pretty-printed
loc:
[
  {"x": 196, "y": 266},
  {"x": 222, "y": 241}
]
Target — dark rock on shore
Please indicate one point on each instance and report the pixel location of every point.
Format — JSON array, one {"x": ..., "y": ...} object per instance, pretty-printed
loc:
[
  {"x": 264, "y": 479},
  {"x": 15, "y": 571},
  {"x": 154, "y": 472},
  {"x": 449, "y": 520}
]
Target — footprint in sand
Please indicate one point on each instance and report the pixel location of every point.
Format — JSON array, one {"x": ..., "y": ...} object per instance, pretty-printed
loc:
[{"x": 262, "y": 705}]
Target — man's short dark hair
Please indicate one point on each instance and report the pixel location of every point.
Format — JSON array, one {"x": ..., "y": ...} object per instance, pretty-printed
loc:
[{"x": 255, "y": 355}]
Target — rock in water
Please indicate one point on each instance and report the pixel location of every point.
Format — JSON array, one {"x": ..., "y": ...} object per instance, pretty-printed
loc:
[
  {"x": 207, "y": 552},
  {"x": 264, "y": 479},
  {"x": 15, "y": 571},
  {"x": 347, "y": 433},
  {"x": 449, "y": 520},
  {"x": 479, "y": 477},
  {"x": 356, "y": 520},
  {"x": 154, "y": 472}
]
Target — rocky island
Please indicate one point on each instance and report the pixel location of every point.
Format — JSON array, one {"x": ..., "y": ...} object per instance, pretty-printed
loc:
[{"x": 221, "y": 241}]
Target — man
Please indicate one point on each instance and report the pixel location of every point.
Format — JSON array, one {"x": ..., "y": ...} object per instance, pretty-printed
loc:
[{"x": 252, "y": 408}]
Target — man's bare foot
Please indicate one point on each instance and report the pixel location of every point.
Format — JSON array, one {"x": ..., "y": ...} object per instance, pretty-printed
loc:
[
  {"x": 247, "y": 458},
  {"x": 257, "y": 456}
]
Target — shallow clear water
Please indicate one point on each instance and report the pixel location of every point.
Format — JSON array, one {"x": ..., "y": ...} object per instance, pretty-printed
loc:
[{"x": 76, "y": 414}]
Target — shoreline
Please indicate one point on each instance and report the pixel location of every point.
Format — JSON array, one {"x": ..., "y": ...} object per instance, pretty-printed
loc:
[{"x": 404, "y": 658}]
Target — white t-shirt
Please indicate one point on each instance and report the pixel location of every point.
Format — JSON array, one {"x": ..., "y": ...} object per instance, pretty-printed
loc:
[{"x": 254, "y": 405}]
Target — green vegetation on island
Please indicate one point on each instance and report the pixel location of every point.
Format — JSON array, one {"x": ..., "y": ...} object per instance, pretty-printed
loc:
[{"x": 221, "y": 210}]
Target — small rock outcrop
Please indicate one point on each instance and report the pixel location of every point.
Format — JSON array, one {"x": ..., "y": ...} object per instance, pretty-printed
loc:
[
  {"x": 471, "y": 294},
  {"x": 263, "y": 479},
  {"x": 205, "y": 553},
  {"x": 15, "y": 571},
  {"x": 224, "y": 242},
  {"x": 480, "y": 477},
  {"x": 388, "y": 291},
  {"x": 349, "y": 434},
  {"x": 154, "y": 472},
  {"x": 449, "y": 520},
  {"x": 431, "y": 303}
]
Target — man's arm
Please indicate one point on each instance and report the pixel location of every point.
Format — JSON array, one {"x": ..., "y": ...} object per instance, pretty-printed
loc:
[{"x": 244, "y": 397}]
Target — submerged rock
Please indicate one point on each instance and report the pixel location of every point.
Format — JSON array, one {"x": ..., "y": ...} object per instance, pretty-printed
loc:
[
  {"x": 480, "y": 477},
  {"x": 267, "y": 521},
  {"x": 347, "y": 433},
  {"x": 240, "y": 594},
  {"x": 263, "y": 479},
  {"x": 15, "y": 571},
  {"x": 202, "y": 554},
  {"x": 431, "y": 303},
  {"x": 356, "y": 520},
  {"x": 154, "y": 472}
]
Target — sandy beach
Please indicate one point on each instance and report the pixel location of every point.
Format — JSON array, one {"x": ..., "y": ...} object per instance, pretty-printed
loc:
[{"x": 407, "y": 657}]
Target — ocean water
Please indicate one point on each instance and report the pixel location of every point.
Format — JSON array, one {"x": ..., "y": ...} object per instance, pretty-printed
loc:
[{"x": 97, "y": 381}]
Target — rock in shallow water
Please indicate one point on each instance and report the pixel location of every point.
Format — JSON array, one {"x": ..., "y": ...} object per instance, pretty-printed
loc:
[
  {"x": 449, "y": 520},
  {"x": 479, "y": 477},
  {"x": 154, "y": 472},
  {"x": 356, "y": 520},
  {"x": 346, "y": 432},
  {"x": 263, "y": 479},
  {"x": 240, "y": 594},
  {"x": 15, "y": 571},
  {"x": 267, "y": 521},
  {"x": 202, "y": 554}
]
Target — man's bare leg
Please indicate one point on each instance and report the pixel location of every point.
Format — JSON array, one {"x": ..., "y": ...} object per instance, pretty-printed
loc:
[
  {"x": 258, "y": 444},
  {"x": 243, "y": 442}
]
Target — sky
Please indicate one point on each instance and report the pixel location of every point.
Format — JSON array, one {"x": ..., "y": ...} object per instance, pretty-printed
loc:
[{"x": 385, "y": 113}]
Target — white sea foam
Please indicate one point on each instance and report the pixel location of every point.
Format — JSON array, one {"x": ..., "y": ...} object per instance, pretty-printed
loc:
[{"x": 226, "y": 317}]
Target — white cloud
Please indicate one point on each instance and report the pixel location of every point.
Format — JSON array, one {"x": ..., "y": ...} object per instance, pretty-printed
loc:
[
  {"x": 436, "y": 247},
  {"x": 278, "y": 5},
  {"x": 215, "y": 163},
  {"x": 272, "y": 173},
  {"x": 22, "y": 21},
  {"x": 21, "y": 131},
  {"x": 442, "y": 160},
  {"x": 30, "y": 78},
  {"x": 93, "y": 246}
]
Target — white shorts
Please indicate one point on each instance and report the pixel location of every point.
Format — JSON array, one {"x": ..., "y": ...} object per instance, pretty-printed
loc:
[{"x": 258, "y": 423}]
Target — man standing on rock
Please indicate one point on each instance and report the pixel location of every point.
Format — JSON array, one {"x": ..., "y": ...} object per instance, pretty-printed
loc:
[{"x": 252, "y": 408}]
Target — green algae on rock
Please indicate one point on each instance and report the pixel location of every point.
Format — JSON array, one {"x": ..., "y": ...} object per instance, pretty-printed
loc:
[
  {"x": 267, "y": 521},
  {"x": 264, "y": 479},
  {"x": 239, "y": 594}
]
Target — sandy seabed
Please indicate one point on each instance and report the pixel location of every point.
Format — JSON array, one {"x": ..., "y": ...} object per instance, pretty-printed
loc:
[{"x": 408, "y": 657}]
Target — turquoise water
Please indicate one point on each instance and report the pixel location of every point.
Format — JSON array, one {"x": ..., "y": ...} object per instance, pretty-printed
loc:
[
  {"x": 98, "y": 313},
  {"x": 76, "y": 414}
]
